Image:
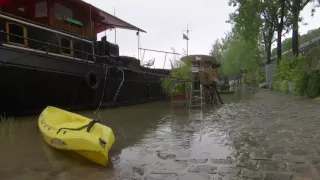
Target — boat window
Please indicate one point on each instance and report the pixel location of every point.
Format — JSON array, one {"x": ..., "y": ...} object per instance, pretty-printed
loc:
[
  {"x": 66, "y": 46},
  {"x": 41, "y": 9},
  {"x": 61, "y": 12},
  {"x": 17, "y": 34}
]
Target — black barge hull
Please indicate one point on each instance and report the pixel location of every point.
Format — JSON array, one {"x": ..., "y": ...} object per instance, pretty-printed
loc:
[{"x": 31, "y": 80}]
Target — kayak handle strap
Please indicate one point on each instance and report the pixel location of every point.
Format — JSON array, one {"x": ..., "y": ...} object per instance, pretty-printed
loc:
[
  {"x": 88, "y": 126},
  {"x": 91, "y": 123}
]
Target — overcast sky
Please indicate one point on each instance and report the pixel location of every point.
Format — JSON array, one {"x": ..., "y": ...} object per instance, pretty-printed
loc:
[{"x": 165, "y": 21}]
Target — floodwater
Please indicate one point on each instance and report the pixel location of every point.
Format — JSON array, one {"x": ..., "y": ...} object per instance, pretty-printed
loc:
[{"x": 153, "y": 141}]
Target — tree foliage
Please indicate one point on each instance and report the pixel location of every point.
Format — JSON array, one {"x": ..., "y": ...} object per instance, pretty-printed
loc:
[
  {"x": 254, "y": 26},
  {"x": 241, "y": 49}
]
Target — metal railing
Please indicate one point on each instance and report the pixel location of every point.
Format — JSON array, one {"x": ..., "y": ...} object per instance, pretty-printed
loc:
[{"x": 46, "y": 46}]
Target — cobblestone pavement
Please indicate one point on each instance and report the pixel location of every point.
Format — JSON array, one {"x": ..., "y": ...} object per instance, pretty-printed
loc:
[{"x": 276, "y": 136}]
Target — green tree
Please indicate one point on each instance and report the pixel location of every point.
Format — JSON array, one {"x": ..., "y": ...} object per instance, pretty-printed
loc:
[
  {"x": 243, "y": 48},
  {"x": 218, "y": 49},
  {"x": 282, "y": 20}
]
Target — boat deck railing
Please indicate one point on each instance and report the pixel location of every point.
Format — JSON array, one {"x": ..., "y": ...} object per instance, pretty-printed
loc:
[{"x": 46, "y": 46}]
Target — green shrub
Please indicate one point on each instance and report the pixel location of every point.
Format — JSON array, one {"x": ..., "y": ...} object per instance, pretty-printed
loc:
[
  {"x": 308, "y": 84},
  {"x": 284, "y": 86},
  {"x": 181, "y": 70},
  {"x": 313, "y": 88},
  {"x": 301, "y": 84},
  {"x": 276, "y": 85},
  {"x": 261, "y": 77},
  {"x": 272, "y": 85},
  {"x": 293, "y": 69}
]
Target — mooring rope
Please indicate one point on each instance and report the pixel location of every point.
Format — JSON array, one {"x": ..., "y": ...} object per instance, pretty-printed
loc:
[
  {"x": 115, "y": 96},
  {"x": 104, "y": 88}
]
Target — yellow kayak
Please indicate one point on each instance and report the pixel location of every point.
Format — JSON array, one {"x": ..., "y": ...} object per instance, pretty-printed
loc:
[{"x": 69, "y": 131}]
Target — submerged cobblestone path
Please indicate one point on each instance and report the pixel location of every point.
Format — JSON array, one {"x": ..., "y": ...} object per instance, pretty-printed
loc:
[
  {"x": 270, "y": 136},
  {"x": 276, "y": 136},
  {"x": 273, "y": 136}
]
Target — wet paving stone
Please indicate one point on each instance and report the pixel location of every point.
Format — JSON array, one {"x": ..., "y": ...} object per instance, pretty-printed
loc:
[
  {"x": 163, "y": 155},
  {"x": 285, "y": 133},
  {"x": 217, "y": 178},
  {"x": 296, "y": 151},
  {"x": 204, "y": 169},
  {"x": 130, "y": 176},
  {"x": 276, "y": 150},
  {"x": 314, "y": 142},
  {"x": 204, "y": 160},
  {"x": 195, "y": 176},
  {"x": 271, "y": 175},
  {"x": 265, "y": 144},
  {"x": 273, "y": 165},
  {"x": 255, "y": 174},
  {"x": 306, "y": 134},
  {"x": 313, "y": 159},
  {"x": 157, "y": 175},
  {"x": 139, "y": 170},
  {"x": 317, "y": 166},
  {"x": 317, "y": 150},
  {"x": 182, "y": 159},
  {"x": 221, "y": 161},
  {"x": 297, "y": 159},
  {"x": 259, "y": 155},
  {"x": 228, "y": 171},
  {"x": 304, "y": 170}
]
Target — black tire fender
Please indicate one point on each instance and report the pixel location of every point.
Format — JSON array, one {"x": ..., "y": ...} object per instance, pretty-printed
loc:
[{"x": 92, "y": 79}]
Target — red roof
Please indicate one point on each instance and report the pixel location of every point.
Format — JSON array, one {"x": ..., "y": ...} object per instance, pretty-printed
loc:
[{"x": 106, "y": 20}]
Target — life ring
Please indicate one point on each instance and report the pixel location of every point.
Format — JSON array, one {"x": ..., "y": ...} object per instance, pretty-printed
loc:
[{"x": 92, "y": 80}]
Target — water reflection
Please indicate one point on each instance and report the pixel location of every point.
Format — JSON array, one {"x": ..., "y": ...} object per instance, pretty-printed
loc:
[{"x": 153, "y": 141}]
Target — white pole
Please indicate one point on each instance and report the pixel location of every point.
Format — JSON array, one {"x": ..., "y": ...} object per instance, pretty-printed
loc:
[
  {"x": 187, "y": 40},
  {"x": 138, "y": 44},
  {"x": 94, "y": 57},
  {"x": 115, "y": 29}
]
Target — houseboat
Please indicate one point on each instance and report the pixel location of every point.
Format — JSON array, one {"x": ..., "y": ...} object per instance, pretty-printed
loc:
[{"x": 50, "y": 55}]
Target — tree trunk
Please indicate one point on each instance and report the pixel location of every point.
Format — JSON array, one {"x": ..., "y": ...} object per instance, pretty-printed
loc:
[
  {"x": 269, "y": 41},
  {"x": 295, "y": 27},
  {"x": 269, "y": 53},
  {"x": 279, "y": 48},
  {"x": 279, "y": 30},
  {"x": 267, "y": 47}
]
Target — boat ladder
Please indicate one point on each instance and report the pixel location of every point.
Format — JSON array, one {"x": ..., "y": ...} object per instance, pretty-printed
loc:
[{"x": 196, "y": 99}]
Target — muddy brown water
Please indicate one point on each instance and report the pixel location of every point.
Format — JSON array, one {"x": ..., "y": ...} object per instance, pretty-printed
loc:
[{"x": 153, "y": 141}]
